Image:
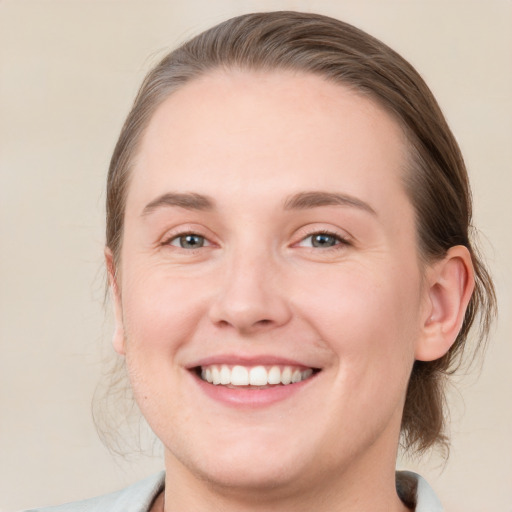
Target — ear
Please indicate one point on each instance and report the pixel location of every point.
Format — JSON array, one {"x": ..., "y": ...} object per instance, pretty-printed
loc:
[
  {"x": 450, "y": 284},
  {"x": 118, "y": 340}
]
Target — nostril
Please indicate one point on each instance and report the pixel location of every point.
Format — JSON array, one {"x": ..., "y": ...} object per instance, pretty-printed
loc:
[{"x": 259, "y": 323}]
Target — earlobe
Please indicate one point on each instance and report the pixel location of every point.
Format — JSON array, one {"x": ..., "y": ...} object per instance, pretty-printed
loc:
[
  {"x": 450, "y": 284},
  {"x": 118, "y": 341}
]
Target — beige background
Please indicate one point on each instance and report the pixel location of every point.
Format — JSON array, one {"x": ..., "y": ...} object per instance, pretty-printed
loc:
[{"x": 69, "y": 71}]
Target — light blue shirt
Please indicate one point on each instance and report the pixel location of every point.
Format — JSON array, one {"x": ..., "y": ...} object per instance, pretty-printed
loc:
[{"x": 139, "y": 497}]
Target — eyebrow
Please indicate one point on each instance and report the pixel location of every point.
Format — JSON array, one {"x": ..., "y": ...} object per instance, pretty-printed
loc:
[
  {"x": 306, "y": 200},
  {"x": 300, "y": 201},
  {"x": 189, "y": 201}
]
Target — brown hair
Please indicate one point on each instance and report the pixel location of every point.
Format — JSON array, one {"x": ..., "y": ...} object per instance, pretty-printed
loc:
[{"x": 436, "y": 181}]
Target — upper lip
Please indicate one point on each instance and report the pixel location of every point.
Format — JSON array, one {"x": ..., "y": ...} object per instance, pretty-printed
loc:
[{"x": 253, "y": 360}]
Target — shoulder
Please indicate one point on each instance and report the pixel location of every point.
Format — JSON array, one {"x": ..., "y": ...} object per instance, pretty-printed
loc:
[
  {"x": 425, "y": 497},
  {"x": 136, "y": 498}
]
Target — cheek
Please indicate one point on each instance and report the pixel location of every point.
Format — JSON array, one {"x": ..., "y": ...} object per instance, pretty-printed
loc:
[
  {"x": 158, "y": 320},
  {"x": 367, "y": 319},
  {"x": 366, "y": 316},
  {"x": 160, "y": 311}
]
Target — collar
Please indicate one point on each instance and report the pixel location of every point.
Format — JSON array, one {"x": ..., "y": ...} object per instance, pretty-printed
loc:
[{"x": 426, "y": 499}]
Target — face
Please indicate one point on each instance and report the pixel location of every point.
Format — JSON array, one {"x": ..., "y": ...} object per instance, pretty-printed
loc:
[{"x": 269, "y": 292}]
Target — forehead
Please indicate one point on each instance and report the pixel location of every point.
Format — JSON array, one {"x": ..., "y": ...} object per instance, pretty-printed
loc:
[{"x": 266, "y": 127}]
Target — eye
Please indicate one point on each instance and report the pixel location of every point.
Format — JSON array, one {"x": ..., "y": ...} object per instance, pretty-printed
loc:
[
  {"x": 322, "y": 240},
  {"x": 188, "y": 241}
]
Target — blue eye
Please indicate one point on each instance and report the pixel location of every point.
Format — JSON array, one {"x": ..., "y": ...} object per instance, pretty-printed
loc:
[
  {"x": 189, "y": 241},
  {"x": 322, "y": 240}
]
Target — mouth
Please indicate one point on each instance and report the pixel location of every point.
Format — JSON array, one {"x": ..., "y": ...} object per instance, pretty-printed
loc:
[{"x": 253, "y": 377}]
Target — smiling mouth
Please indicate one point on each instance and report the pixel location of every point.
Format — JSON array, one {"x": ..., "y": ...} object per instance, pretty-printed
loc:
[{"x": 253, "y": 377}]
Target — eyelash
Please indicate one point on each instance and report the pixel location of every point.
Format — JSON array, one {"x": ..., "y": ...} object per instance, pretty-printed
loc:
[
  {"x": 339, "y": 241},
  {"x": 169, "y": 241}
]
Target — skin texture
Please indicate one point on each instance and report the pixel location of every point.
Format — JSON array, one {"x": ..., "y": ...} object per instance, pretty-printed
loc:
[{"x": 361, "y": 311}]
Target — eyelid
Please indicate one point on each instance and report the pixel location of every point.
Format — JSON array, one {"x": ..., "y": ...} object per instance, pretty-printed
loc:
[
  {"x": 170, "y": 241},
  {"x": 309, "y": 231},
  {"x": 338, "y": 242},
  {"x": 344, "y": 238},
  {"x": 184, "y": 230}
]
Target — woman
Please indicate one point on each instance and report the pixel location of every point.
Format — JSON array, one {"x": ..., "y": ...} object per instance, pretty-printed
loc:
[{"x": 291, "y": 269}]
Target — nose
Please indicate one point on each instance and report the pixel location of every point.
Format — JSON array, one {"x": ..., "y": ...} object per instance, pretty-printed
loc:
[{"x": 252, "y": 298}]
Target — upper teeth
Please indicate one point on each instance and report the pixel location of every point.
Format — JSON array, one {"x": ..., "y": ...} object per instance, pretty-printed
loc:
[{"x": 253, "y": 376}]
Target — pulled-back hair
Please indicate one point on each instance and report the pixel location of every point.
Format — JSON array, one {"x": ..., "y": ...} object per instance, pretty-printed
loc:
[{"x": 436, "y": 179}]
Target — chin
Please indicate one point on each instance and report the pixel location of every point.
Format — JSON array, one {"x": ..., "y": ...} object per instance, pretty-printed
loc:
[
  {"x": 245, "y": 477},
  {"x": 260, "y": 465}
]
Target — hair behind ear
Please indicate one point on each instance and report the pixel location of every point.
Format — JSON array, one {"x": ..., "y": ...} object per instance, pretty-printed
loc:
[
  {"x": 450, "y": 283},
  {"x": 118, "y": 339}
]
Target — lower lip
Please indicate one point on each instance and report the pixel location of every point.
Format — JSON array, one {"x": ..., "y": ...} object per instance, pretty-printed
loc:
[{"x": 251, "y": 397}]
